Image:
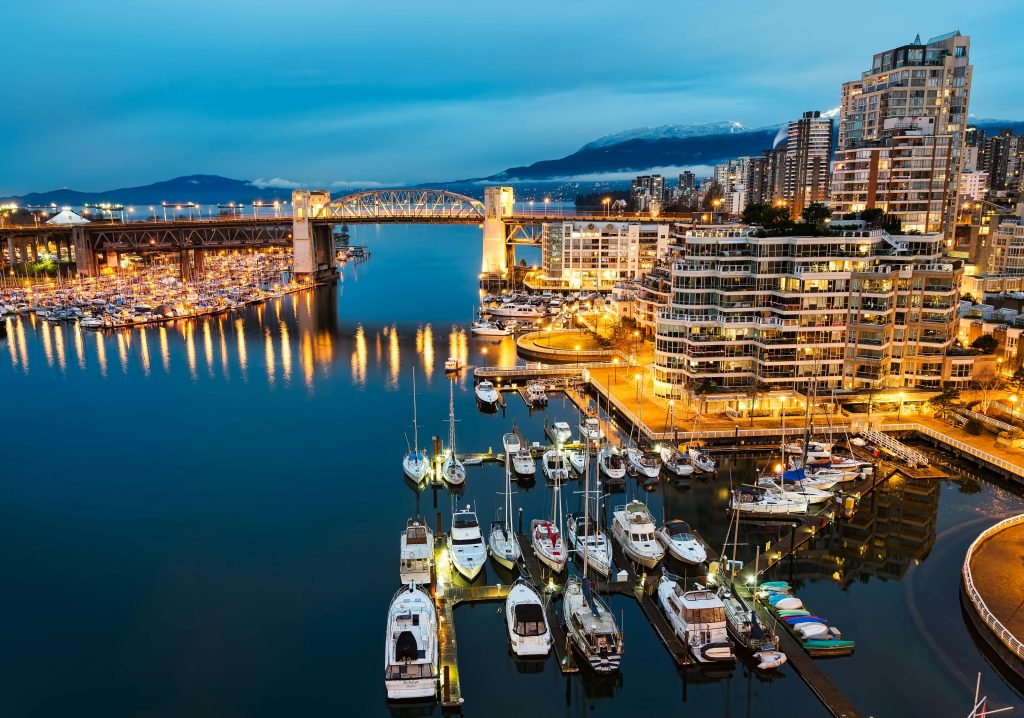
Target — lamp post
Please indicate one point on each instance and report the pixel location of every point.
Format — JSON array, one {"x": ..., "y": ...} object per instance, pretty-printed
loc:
[
  {"x": 615, "y": 369},
  {"x": 577, "y": 354},
  {"x": 1013, "y": 406},
  {"x": 899, "y": 412},
  {"x": 607, "y": 204}
]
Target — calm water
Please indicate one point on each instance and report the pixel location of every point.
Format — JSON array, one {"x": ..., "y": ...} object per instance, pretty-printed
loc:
[{"x": 202, "y": 519}]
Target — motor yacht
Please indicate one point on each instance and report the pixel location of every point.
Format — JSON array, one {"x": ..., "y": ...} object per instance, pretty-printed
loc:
[
  {"x": 634, "y": 528},
  {"x": 416, "y": 558},
  {"x": 681, "y": 543},
  {"x": 466, "y": 547},
  {"x": 698, "y": 619},
  {"x": 527, "y": 622},
  {"x": 410, "y": 645}
]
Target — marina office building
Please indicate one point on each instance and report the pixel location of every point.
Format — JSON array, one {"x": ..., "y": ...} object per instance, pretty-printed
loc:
[
  {"x": 857, "y": 310},
  {"x": 594, "y": 256}
]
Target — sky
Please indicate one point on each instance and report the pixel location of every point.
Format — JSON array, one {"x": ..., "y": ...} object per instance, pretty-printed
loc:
[{"x": 335, "y": 93}]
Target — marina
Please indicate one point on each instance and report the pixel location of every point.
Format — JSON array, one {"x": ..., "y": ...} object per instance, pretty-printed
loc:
[{"x": 317, "y": 357}]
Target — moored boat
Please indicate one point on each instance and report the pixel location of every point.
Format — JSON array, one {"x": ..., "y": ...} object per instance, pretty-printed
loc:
[
  {"x": 591, "y": 627},
  {"x": 466, "y": 544},
  {"x": 634, "y": 527},
  {"x": 416, "y": 556},
  {"x": 698, "y": 619},
  {"x": 527, "y": 622},
  {"x": 681, "y": 543},
  {"x": 410, "y": 646}
]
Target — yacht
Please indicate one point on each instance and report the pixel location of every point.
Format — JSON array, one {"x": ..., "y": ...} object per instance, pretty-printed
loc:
[
  {"x": 680, "y": 542},
  {"x": 610, "y": 462},
  {"x": 675, "y": 461},
  {"x": 795, "y": 491},
  {"x": 487, "y": 329},
  {"x": 555, "y": 468},
  {"x": 590, "y": 429},
  {"x": 763, "y": 502},
  {"x": 466, "y": 544},
  {"x": 486, "y": 394},
  {"x": 698, "y": 618},
  {"x": 588, "y": 541},
  {"x": 510, "y": 442},
  {"x": 453, "y": 365},
  {"x": 644, "y": 462},
  {"x": 591, "y": 627},
  {"x": 410, "y": 646},
  {"x": 416, "y": 561},
  {"x": 452, "y": 469},
  {"x": 523, "y": 463},
  {"x": 90, "y": 323},
  {"x": 559, "y": 432},
  {"x": 634, "y": 528},
  {"x": 415, "y": 464},
  {"x": 527, "y": 621},
  {"x": 536, "y": 394},
  {"x": 518, "y": 311}
]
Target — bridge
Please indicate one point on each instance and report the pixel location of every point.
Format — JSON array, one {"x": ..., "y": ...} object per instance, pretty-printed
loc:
[{"x": 308, "y": 229}]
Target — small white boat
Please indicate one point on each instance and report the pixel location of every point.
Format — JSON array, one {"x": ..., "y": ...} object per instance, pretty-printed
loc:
[
  {"x": 590, "y": 429},
  {"x": 486, "y": 394},
  {"x": 487, "y": 329},
  {"x": 453, "y": 471},
  {"x": 680, "y": 542},
  {"x": 559, "y": 432},
  {"x": 528, "y": 629},
  {"x": 595, "y": 545},
  {"x": 548, "y": 544},
  {"x": 634, "y": 528},
  {"x": 90, "y": 323},
  {"x": 510, "y": 442},
  {"x": 698, "y": 619},
  {"x": 536, "y": 394},
  {"x": 555, "y": 467},
  {"x": 517, "y": 311},
  {"x": 415, "y": 463},
  {"x": 410, "y": 646},
  {"x": 523, "y": 463},
  {"x": 503, "y": 544},
  {"x": 611, "y": 463},
  {"x": 453, "y": 364},
  {"x": 416, "y": 558},
  {"x": 466, "y": 544},
  {"x": 644, "y": 462},
  {"x": 577, "y": 460},
  {"x": 762, "y": 502},
  {"x": 675, "y": 461},
  {"x": 591, "y": 627},
  {"x": 795, "y": 491},
  {"x": 700, "y": 459}
]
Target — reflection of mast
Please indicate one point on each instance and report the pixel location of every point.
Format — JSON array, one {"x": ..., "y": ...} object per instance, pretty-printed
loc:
[{"x": 451, "y": 416}]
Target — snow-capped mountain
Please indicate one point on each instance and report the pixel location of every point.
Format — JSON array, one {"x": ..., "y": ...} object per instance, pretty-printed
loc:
[{"x": 669, "y": 132}]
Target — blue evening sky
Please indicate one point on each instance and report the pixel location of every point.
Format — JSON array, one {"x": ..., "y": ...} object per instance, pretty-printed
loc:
[{"x": 113, "y": 93}]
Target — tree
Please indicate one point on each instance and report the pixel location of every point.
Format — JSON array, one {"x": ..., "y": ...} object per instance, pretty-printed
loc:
[
  {"x": 987, "y": 384},
  {"x": 1018, "y": 378},
  {"x": 815, "y": 214},
  {"x": 944, "y": 401},
  {"x": 768, "y": 216},
  {"x": 755, "y": 389},
  {"x": 986, "y": 344},
  {"x": 699, "y": 389}
]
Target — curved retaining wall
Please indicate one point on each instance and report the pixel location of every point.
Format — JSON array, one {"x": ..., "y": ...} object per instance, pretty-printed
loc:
[
  {"x": 526, "y": 347},
  {"x": 991, "y": 629}
]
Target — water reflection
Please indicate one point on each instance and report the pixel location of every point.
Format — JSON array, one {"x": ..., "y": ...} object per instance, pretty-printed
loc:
[
  {"x": 101, "y": 354},
  {"x": 79, "y": 346}
]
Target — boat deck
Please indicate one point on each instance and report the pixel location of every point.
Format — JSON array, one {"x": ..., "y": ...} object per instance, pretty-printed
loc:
[{"x": 535, "y": 573}]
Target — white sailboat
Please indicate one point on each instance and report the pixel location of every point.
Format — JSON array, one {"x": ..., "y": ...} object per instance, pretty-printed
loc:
[
  {"x": 588, "y": 541},
  {"x": 634, "y": 528},
  {"x": 466, "y": 544},
  {"x": 698, "y": 618},
  {"x": 452, "y": 469},
  {"x": 486, "y": 394},
  {"x": 644, "y": 462},
  {"x": 611, "y": 463},
  {"x": 527, "y": 622},
  {"x": 546, "y": 536},
  {"x": 415, "y": 463},
  {"x": 502, "y": 542},
  {"x": 416, "y": 557},
  {"x": 795, "y": 491},
  {"x": 675, "y": 461},
  {"x": 577, "y": 460},
  {"x": 410, "y": 645},
  {"x": 555, "y": 466},
  {"x": 765, "y": 503}
]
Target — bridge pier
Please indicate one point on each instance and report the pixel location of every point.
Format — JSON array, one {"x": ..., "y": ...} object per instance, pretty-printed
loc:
[
  {"x": 191, "y": 263},
  {"x": 312, "y": 244},
  {"x": 85, "y": 257},
  {"x": 499, "y": 203}
]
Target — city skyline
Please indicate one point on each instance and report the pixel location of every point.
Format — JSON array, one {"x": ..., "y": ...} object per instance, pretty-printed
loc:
[{"x": 336, "y": 99}]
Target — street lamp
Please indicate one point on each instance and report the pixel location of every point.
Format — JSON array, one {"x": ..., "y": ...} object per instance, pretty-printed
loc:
[
  {"x": 615, "y": 369},
  {"x": 607, "y": 205},
  {"x": 577, "y": 353}
]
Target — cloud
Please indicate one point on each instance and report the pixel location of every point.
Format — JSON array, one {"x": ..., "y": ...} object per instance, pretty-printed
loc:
[
  {"x": 276, "y": 183},
  {"x": 356, "y": 184}
]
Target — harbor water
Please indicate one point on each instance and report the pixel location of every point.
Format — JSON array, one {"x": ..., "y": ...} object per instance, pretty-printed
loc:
[{"x": 202, "y": 518}]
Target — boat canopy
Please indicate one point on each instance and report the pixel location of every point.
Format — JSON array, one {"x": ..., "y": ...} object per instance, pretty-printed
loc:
[
  {"x": 406, "y": 648},
  {"x": 529, "y": 619}
]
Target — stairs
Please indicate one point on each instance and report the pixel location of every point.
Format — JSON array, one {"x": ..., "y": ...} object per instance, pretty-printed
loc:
[{"x": 899, "y": 450}]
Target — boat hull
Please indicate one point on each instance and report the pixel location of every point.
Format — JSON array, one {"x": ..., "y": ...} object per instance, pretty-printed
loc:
[{"x": 404, "y": 690}]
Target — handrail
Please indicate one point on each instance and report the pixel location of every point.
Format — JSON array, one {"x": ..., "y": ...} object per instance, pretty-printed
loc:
[{"x": 1002, "y": 633}]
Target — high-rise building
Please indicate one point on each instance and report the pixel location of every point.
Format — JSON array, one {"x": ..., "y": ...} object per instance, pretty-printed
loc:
[
  {"x": 879, "y": 122},
  {"x": 807, "y": 158},
  {"x": 1002, "y": 156},
  {"x": 596, "y": 255},
  {"x": 647, "y": 190},
  {"x": 687, "y": 183}
]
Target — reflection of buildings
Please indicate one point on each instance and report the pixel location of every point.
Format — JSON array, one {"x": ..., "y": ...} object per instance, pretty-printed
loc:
[{"x": 893, "y": 528}]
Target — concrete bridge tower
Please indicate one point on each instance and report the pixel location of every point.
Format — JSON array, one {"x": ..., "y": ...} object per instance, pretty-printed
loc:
[
  {"x": 312, "y": 243},
  {"x": 498, "y": 203}
]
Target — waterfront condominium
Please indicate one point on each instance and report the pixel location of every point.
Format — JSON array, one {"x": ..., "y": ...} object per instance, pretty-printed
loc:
[
  {"x": 901, "y": 134},
  {"x": 855, "y": 309},
  {"x": 596, "y": 255},
  {"x": 807, "y": 159}
]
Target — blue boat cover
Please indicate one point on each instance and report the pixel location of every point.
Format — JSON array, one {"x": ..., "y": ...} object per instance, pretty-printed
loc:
[
  {"x": 793, "y": 475},
  {"x": 589, "y": 596}
]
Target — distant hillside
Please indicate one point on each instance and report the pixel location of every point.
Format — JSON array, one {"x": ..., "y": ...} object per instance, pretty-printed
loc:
[{"x": 203, "y": 189}]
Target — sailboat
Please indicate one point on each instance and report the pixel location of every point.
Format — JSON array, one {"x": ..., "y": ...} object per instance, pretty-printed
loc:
[
  {"x": 591, "y": 626},
  {"x": 676, "y": 462},
  {"x": 546, "y": 537},
  {"x": 453, "y": 470},
  {"x": 410, "y": 645},
  {"x": 502, "y": 542},
  {"x": 587, "y": 539},
  {"x": 741, "y": 620},
  {"x": 415, "y": 464},
  {"x": 610, "y": 462}
]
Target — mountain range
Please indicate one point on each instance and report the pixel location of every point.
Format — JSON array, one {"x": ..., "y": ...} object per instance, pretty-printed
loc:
[{"x": 612, "y": 157}]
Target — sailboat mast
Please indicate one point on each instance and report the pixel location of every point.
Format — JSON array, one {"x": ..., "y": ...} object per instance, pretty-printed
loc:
[
  {"x": 415, "y": 425},
  {"x": 451, "y": 416},
  {"x": 586, "y": 510}
]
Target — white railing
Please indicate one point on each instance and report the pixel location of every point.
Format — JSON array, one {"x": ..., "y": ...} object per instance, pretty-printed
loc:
[
  {"x": 984, "y": 419},
  {"x": 1008, "y": 466},
  {"x": 911, "y": 456},
  {"x": 1002, "y": 632}
]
